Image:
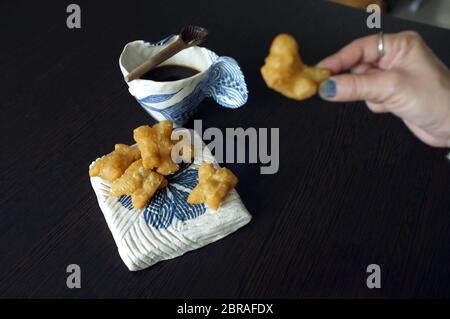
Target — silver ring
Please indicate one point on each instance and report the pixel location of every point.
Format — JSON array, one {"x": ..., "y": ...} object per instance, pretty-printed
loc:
[{"x": 380, "y": 44}]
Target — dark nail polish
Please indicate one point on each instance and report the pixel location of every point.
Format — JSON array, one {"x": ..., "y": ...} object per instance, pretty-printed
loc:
[{"x": 328, "y": 89}]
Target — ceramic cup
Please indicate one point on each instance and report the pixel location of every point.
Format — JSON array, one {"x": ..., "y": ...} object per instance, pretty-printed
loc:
[{"x": 177, "y": 101}]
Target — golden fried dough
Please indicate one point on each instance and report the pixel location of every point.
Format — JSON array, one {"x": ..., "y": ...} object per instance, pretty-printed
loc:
[
  {"x": 156, "y": 145},
  {"x": 138, "y": 182},
  {"x": 111, "y": 166},
  {"x": 285, "y": 72},
  {"x": 213, "y": 185}
]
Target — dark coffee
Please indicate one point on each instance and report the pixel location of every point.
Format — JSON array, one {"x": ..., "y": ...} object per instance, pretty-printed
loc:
[{"x": 169, "y": 72}]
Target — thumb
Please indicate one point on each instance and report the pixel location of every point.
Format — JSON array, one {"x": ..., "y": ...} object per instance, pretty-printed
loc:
[{"x": 372, "y": 87}]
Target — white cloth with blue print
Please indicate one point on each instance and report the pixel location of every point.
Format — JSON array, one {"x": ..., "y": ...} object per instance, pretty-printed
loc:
[{"x": 168, "y": 226}]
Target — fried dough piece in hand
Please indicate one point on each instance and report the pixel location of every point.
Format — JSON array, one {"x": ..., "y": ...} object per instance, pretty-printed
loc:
[
  {"x": 285, "y": 72},
  {"x": 138, "y": 182},
  {"x": 111, "y": 166},
  {"x": 213, "y": 186},
  {"x": 156, "y": 146}
]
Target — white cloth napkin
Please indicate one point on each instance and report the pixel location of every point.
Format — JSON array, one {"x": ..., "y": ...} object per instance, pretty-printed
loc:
[{"x": 168, "y": 227}]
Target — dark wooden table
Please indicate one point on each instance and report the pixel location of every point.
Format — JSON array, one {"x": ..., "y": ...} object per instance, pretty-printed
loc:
[{"x": 354, "y": 188}]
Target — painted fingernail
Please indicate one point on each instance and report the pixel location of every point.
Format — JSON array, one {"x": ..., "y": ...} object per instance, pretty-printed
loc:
[{"x": 328, "y": 89}]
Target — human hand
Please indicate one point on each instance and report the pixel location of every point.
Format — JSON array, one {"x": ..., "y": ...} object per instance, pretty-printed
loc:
[{"x": 408, "y": 80}]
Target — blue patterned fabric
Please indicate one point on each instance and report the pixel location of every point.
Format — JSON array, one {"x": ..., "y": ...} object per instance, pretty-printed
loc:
[
  {"x": 157, "y": 98},
  {"x": 171, "y": 202}
]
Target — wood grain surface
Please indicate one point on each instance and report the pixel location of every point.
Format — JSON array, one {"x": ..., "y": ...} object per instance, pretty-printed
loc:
[{"x": 354, "y": 188}]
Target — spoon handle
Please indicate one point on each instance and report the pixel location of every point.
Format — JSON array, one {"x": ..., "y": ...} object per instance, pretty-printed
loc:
[{"x": 155, "y": 60}]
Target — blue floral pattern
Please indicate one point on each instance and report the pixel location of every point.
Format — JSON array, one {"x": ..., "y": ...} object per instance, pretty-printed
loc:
[
  {"x": 158, "y": 98},
  {"x": 171, "y": 202}
]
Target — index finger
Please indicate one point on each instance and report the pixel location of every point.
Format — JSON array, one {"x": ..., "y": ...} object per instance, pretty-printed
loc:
[{"x": 362, "y": 50}]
